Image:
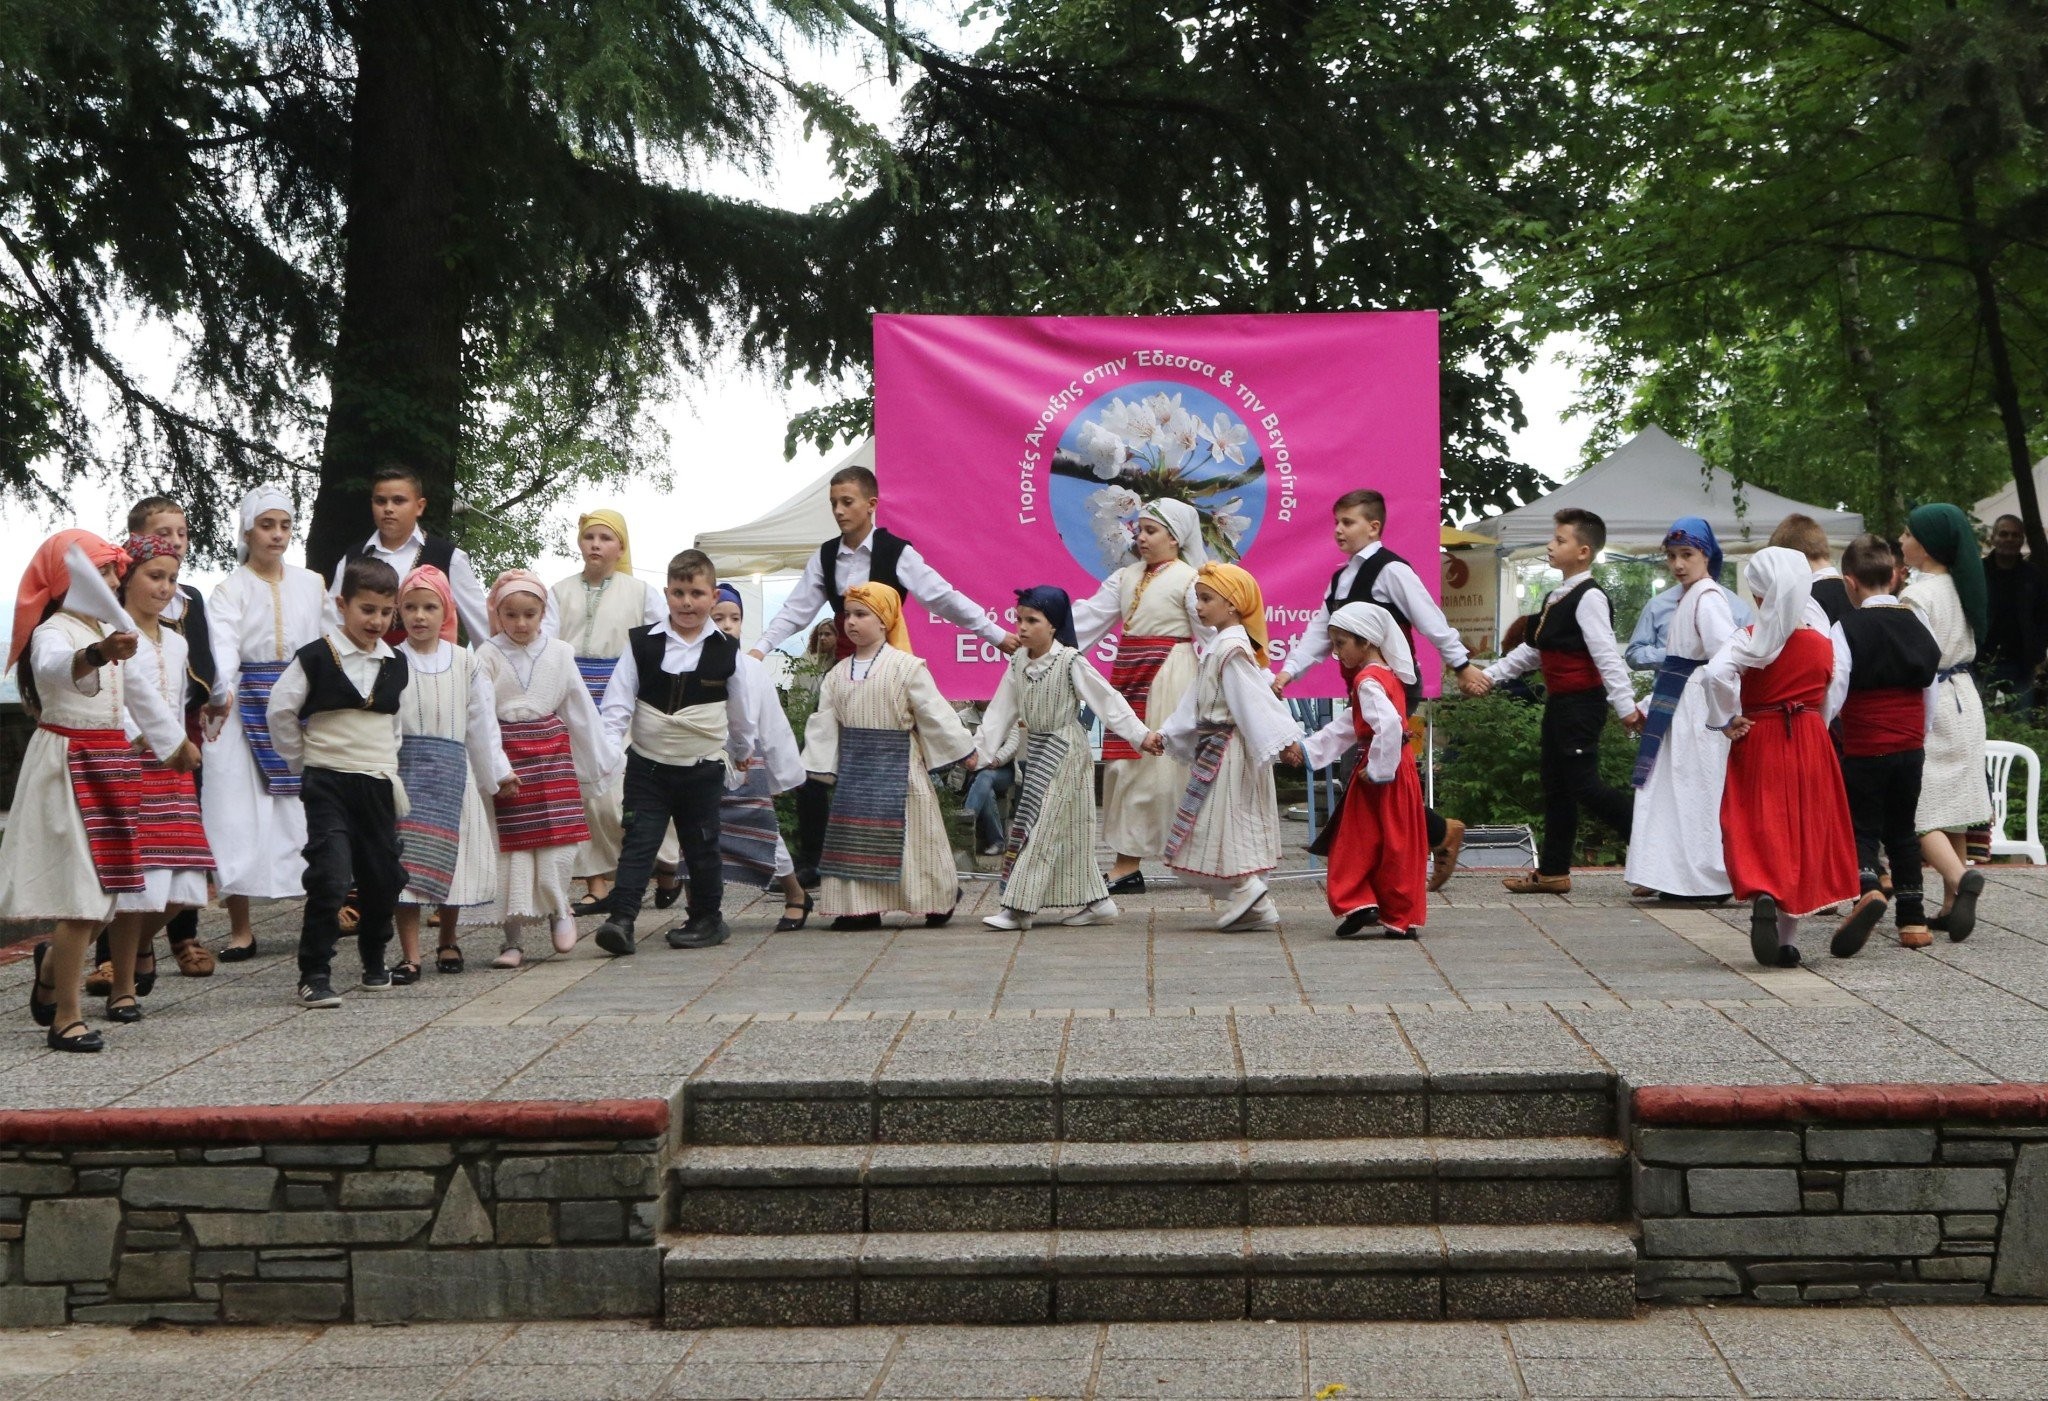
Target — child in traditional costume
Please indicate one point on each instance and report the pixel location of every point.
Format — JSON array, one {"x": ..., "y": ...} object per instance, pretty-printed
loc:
[
  {"x": 1572, "y": 640},
  {"x": 1785, "y": 825},
  {"x": 1049, "y": 853},
  {"x": 1675, "y": 851},
  {"x": 451, "y": 760},
  {"x": 749, "y": 835},
  {"x": 595, "y": 610},
  {"x": 1377, "y": 842},
  {"x": 683, "y": 710},
  {"x": 1948, "y": 590},
  {"x": 72, "y": 848},
  {"x": 334, "y": 719},
  {"x": 258, "y": 617},
  {"x": 555, "y": 743},
  {"x": 174, "y": 855},
  {"x": 1153, "y": 601},
  {"x": 880, "y": 731},
  {"x": 398, "y": 501},
  {"x": 1886, "y": 704},
  {"x": 1229, "y": 729}
]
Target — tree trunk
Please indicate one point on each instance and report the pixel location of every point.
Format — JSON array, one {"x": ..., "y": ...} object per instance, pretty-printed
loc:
[
  {"x": 396, "y": 388},
  {"x": 1891, "y": 503},
  {"x": 2005, "y": 388}
]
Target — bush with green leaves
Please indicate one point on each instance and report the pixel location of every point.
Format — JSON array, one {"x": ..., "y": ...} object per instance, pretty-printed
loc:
[{"x": 1487, "y": 771}]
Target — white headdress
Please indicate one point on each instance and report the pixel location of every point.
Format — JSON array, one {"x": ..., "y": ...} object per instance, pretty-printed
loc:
[
  {"x": 1376, "y": 625},
  {"x": 255, "y": 503},
  {"x": 1782, "y": 581},
  {"x": 1186, "y": 524}
]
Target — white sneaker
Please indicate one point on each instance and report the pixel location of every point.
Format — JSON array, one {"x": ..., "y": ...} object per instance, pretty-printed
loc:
[
  {"x": 1006, "y": 919},
  {"x": 1263, "y": 914},
  {"x": 1101, "y": 912},
  {"x": 565, "y": 934},
  {"x": 1248, "y": 893}
]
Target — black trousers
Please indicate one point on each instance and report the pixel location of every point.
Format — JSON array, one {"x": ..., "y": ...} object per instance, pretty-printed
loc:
[
  {"x": 1569, "y": 768},
  {"x": 813, "y": 812},
  {"x": 1884, "y": 795},
  {"x": 351, "y": 844},
  {"x": 657, "y": 794}
]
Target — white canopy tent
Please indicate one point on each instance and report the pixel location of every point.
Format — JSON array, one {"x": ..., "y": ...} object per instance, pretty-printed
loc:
[
  {"x": 783, "y": 540},
  {"x": 2007, "y": 502}
]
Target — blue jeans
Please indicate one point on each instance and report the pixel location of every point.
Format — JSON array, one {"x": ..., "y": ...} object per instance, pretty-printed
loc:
[{"x": 983, "y": 800}]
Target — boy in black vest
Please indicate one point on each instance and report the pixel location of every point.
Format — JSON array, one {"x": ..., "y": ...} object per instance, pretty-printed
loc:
[
  {"x": 1803, "y": 533},
  {"x": 862, "y": 553},
  {"x": 1893, "y": 658},
  {"x": 398, "y": 498},
  {"x": 678, "y": 699},
  {"x": 334, "y": 720},
  {"x": 1375, "y": 574},
  {"x": 1572, "y": 641}
]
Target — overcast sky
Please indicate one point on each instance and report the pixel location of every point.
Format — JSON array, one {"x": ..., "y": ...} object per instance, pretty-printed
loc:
[{"x": 742, "y": 415}]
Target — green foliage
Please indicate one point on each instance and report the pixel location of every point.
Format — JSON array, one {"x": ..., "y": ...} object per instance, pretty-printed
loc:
[{"x": 1487, "y": 769}]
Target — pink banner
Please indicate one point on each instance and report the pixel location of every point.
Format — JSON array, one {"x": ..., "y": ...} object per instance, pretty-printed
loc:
[{"x": 1016, "y": 451}]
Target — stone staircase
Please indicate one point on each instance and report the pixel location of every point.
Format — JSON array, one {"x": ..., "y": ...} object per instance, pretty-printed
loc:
[{"x": 807, "y": 1202}]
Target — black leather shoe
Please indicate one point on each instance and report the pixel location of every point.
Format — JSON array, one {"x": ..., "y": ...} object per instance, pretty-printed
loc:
[
  {"x": 86, "y": 1040},
  {"x": 844, "y": 922},
  {"x": 236, "y": 953},
  {"x": 665, "y": 898},
  {"x": 123, "y": 1009},
  {"x": 1358, "y": 922},
  {"x": 703, "y": 932},
  {"x": 615, "y": 936},
  {"x": 43, "y": 1013},
  {"x": 785, "y": 924},
  {"x": 1132, "y": 884}
]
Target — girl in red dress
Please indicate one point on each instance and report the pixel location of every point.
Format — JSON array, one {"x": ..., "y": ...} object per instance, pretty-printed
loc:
[
  {"x": 1377, "y": 843},
  {"x": 1784, "y": 813}
]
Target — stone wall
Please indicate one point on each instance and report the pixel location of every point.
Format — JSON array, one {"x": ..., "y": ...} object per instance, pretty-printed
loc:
[
  {"x": 362, "y": 1213},
  {"x": 1807, "y": 1194}
]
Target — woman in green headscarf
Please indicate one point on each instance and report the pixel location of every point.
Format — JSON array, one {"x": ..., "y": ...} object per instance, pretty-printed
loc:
[{"x": 1948, "y": 591}]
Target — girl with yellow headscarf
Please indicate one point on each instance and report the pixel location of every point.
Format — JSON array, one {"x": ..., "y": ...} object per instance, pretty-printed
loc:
[
  {"x": 880, "y": 730},
  {"x": 1230, "y": 728},
  {"x": 595, "y": 609}
]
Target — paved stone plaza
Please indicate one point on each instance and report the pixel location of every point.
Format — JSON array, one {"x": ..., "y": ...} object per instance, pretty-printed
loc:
[
  {"x": 1697, "y": 1352},
  {"x": 1659, "y": 995}
]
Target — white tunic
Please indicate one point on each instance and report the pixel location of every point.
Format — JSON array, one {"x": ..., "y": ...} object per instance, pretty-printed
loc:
[
  {"x": 1675, "y": 847},
  {"x": 1237, "y": 831},
  {"x": 774, "y": 749},
  {"x": 160, "y": 666},
  {"x": 594, "y": 620},
  {"x": 1139, "y": 795},
  {"x": 526, "y": 684},
  {"x": 257, "y": 839},
  {"x": 447, "y": 696},
  {"x": 46, "y": 865},
  {"x": 1954, "y": 793}
]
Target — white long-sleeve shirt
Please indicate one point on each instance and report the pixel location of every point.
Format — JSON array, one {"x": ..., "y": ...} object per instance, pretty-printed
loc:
[
  {"x": 1383, "y": 755},
  {"x": 1838, "y": 684},
  {"x": 1001, "y": 724},
  {"x": 680, "y": 654},
  {"x": 920, "y": 581},
  {"x": 1596, "y": 624},
  {"x": 51, "y": 650},
  {"x": 288, "y": 734},
  {"x": 1398, "y": 585},
  {"x": 471, "y": 605}
]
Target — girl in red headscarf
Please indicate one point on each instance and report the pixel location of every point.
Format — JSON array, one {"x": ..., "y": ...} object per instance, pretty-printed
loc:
[{"x": 71, "y": 848}]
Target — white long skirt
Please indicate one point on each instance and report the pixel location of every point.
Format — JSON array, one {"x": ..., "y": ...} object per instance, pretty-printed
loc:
[
  {"x": 1954, "y": 794},
  {"x": 929, "y": 882},
  {"x": 46, "y": 866},
  {"x": 475, "y": 885},
  {"x": 1675, "y": 847},
  {"x": 1139, "y": 795},
  {"x": 532, "y": 884},
  {"x": 1237, "y": 832},
  {"x": 604, "y": 808},
  {"x": 258, "y": 841},
  {"x": 163, "y": 888}
]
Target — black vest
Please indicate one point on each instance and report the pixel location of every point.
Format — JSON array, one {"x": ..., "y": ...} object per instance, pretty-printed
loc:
[
  {"x": 1369, "y": 571},
  {"x": 199, "y": 649},
  {"x": 328, "y": 686},
  {"x": 1833, "y": 597},
  {"x": 884, "y": 551},
  {"x": 670, "y": 691},
  {"x": 1889, "y": 647},
  {"x": 1556, "y": 629}
]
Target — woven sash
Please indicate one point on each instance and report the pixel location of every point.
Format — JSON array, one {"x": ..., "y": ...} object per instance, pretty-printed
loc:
[
  {"x": 747, "y": 830},
  {"x": 1210, "y": 742},
  {"x": 1664, "y": 694},
  {"x": 597, "y": 674},
  {"x": 1043, "y": 755},
  {"x": 548, "y": 808},
  {"x": 864, "y": 838},
  {"x": 171, "y": 835},
  {"x": 1138, "y": 660},
  {"x": 434, "y": 772},
  {"x": 104, "y": 770},
  {"x": 252, "y": 699}
]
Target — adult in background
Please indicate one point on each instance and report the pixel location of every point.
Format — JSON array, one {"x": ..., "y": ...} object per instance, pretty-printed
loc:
[{"x": 2017, "y": 638}]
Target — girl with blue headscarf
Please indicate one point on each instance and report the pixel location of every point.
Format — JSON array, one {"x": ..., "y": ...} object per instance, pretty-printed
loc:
[
  {"x": 1049, "y": 852},
  {"x": 1675, "y": 849}
]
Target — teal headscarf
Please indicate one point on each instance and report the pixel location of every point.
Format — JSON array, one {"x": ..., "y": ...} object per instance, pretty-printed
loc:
[{"x": 1944, "y": 532}]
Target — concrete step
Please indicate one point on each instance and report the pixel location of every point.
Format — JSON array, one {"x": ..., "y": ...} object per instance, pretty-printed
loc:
[
  {"x": 796, "y": 1189},
  {"x": 1279, "y": 1272}
]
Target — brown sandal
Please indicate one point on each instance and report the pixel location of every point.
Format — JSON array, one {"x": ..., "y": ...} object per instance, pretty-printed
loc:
[
  {"x": 195, "y": 960},
  {"x": 100, "y": 981}
]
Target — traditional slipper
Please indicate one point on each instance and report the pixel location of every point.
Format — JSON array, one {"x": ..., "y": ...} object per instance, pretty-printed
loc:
[
  {"x": 509, "y": 958},
  {"x": 1443, "y": 862},
  {"x": 193, "y": 959},
  {"x": 100, "y": 981},
  {"x": 1854, "y": 932}
]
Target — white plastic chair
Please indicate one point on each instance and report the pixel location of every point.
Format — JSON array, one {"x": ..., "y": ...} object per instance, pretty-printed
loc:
[{"x": 1998, "y": 760}]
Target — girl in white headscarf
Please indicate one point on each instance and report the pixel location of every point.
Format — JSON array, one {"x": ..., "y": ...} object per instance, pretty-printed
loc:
[
  {"x": 1785, "y": 826},
  {"x": 1153, "y": 601},
  {"x": 1377, "y": 843},
  {"x": 257, "y": 619}
]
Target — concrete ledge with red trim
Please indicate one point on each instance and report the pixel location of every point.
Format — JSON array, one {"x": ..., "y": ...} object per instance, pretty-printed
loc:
[{"x": 1825, "y": 1193}]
